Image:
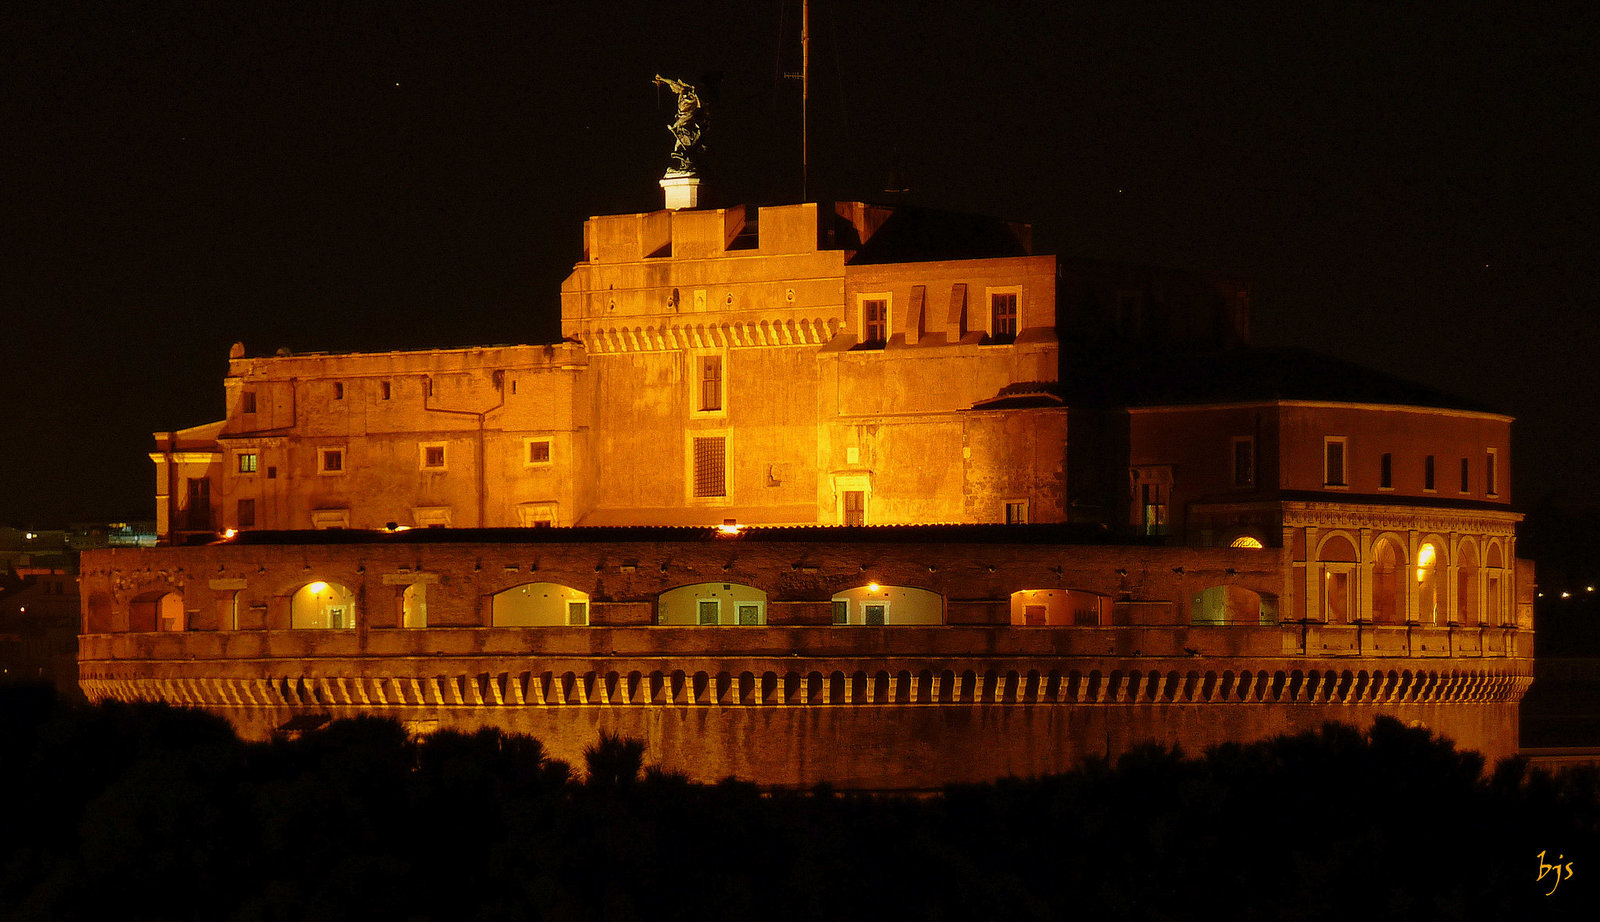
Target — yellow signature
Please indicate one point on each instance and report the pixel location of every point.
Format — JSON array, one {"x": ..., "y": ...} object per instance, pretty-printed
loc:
[{"x": 1558, "y": 871}]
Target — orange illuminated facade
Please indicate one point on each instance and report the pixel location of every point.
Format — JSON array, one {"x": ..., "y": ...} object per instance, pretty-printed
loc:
[{"x": 1109, "y": 519}]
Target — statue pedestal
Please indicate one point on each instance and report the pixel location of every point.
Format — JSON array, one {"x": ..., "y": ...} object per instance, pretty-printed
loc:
[{"x": 682, "y": 189}]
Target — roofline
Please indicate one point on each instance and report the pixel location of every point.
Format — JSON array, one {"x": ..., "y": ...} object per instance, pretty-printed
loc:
[{"x": 1340, "y": 404}]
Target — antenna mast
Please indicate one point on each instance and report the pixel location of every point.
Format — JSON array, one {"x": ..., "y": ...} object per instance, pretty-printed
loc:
[{"x": 805, "y": 96}]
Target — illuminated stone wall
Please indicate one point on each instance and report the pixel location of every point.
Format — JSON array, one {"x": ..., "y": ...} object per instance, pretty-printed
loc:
[{"x": 796, "y": 700}]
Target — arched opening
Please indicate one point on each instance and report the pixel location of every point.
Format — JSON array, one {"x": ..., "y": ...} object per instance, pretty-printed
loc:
[
  {"x": 1493, "y": 587},
  {"x": 1467, "y": 584},
  {"x": 1338, "y": 558},
  {"x": 322, "y": 606},
  {"x": 1248, "y": 541},
  {"x": 539, "y": 605},
  {"x": 159, "y": 610},
  {"x": 712, "y": 604},
  {"x": 1232, "y": 605},
  {"x": 874, "y": 605},
  {"x": 1429, "y": 602},
  {"x": 1388, "y": 583},
  {"x": 414, "y": 606},
  {"x": 1059, "y": 607}
]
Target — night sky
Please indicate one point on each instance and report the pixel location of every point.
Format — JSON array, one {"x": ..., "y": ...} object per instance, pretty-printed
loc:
[{"x": 1409, "y": 189}]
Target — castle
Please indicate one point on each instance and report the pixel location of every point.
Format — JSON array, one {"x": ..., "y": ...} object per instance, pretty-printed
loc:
[{"x": 833, "y": 492}]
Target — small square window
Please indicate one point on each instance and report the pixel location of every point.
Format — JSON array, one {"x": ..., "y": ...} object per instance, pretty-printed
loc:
[
  {"x": 433, "y": 457},
  {"x": 247, "y": 402},
  {"x": 247, "y": 462},
  {"x": 330, "y": 460},
  {"x": 538, "y": 451},
  {"x": 1017, "y": 512}
]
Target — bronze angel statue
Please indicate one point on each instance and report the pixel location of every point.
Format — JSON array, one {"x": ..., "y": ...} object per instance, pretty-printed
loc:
[{"x": 687, "y": 125}]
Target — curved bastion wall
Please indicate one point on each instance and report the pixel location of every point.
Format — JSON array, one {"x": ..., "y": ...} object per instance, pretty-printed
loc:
[{"x": 881, "y": 658}]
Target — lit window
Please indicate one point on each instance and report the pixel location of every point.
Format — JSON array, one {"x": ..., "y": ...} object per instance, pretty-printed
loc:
[
  {"x": 1244, "y": 461},
  {"x": 1386, "y": 471},
  {"x": 538, "y": 451},
  {"x": 1003, "y": 315},
  {"x": 710, "y": 377},
  {"x": 709, "y": 611},
  {"x": 1153, "y": 500},
  {"x": 710, "y": 466},
  {"x": 330, "y": 460},
  {"x": 247, "y": 462},
  {"x": 1333, "y": 458},
  {"x": 433, "y": 457},
  {"x": 875, "y": 320},
  {"x": 1017, "y": 513},
  {"x": 1427, "y": 473},
  {"x": 577, "y": 613}
]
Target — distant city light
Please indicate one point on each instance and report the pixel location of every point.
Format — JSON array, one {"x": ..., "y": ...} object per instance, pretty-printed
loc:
[{"x": 1566, "y": 595}]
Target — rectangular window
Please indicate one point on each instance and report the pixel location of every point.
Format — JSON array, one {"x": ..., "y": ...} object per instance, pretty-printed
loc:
[
  {"x": 384, "y": 390},
  {"x": 433, "y": 457},
  {"x": 1386, "y": 471},
  {"x": 710, "y": 383},
  {"x": 247, "y": 513},
  {"x": 578, "y": 613},
  {"x": 1153, "y": 499},
  {"x": 875, "y": 320},
  {"x": 247, "y": 462},
  {"x": 330, "y": 460},
  {"x": 855, "y": 507},
  {"x": 1003, "y": 315},
  {"x": 1490, "y": 457},
  {"x": 749, "y": 613},
  {"x": 1244, "y": 461},
  {"x": 841, "y": 611},
  {"x": 538, "y": 451},
  {"x": 247, "y": 402},
  {"x": 1466, "y": 476},
  {"x": 710, "y": 466},
  {"x": 1427, "y": 473},
  {"x": 1333, "y": 461},
  {"x": 874, "y": 613},
  {"x": 1035, "y": 615},
  {"x": 338, "y": 390},
  {"x": 1336, "y": 596},
  {"x": 1017, "y": 513},
  {"x": 709, "y": 610},
  {"x": 198, "y": 513}
]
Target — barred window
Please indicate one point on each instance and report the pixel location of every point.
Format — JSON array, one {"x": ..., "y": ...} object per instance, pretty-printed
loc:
[{"x": 710, "y": 466}]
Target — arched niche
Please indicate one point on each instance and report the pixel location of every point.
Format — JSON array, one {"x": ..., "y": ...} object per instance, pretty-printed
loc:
[
  {"x": 712, "y": 604},
  {"x": 1059, "y": 607},
  {"x": 539, "y": 605},
  {"x": 1467, "y": 608},
  {"x": 1338, "y": 557},
  {"x": 875, "y": 604},
  {"x": 321, "y": 605},
  {"x": 1430, "y": 568},
  {"x": 1388, "y": 582}
]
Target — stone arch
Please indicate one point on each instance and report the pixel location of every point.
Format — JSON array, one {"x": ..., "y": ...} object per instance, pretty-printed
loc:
[
  {"x": 1467, "y": 583},
  {"x": 712, "y": 604},
  {"x": 1431, "y": 567},
  {"x": 1388, "y": 581},
  {"x": 1059, "y": 607},
  {"x": 1231, "y": 604},
  {"x": 875, "y": 604},
  {"x": 156, "y": 610},
  {"x": 321, "y": 605},
  {"x": 539, "y": 605}
]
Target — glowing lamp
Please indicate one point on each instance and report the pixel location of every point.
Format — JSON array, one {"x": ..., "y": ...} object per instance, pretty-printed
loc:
[
  {"x": 229, "y": 532},
  {"x": 318, "y": 587},
  {"x": 872, "y": 587},
  {"x": 730, "y": 527}
]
